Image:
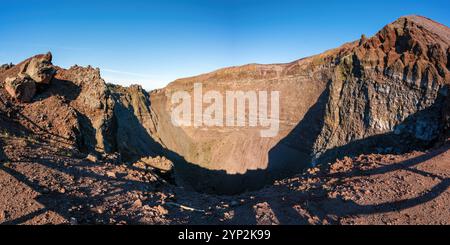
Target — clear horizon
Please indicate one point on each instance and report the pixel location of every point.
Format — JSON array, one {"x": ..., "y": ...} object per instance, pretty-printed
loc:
[{"x": 152, "y": 43}]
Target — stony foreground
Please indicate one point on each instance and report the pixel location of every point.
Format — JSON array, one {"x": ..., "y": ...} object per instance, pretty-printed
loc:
[{"x": 41, "y": 184}]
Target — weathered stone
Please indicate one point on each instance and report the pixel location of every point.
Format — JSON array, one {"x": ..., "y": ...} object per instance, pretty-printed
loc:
[
  {"x": 92, "y": 158},
  {"x": 40, "y": 68},
  {"x": 111, "y": 174},
  {"x": 160, "y": 163},
  {"x": 137, "y": 203},
  {"x": 161, "y": 210},
  {"x": 21, "y": 88},
  {"x": 385, "y": 91},
  {"x": 377, "y": 104}
]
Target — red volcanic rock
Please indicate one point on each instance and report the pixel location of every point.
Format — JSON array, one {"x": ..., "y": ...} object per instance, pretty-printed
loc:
[
  {"x": 21, "y": 88},
  {"x": 40, "y": 68}
]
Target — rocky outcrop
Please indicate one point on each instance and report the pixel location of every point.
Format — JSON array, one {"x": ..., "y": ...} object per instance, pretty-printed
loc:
[
  {"x": 91, "y": 100},
  {"x": 21, "y": 88},
  {"x": 388, "y": 92},
  {"x": 81, "y": 109},
  {"x": 134, "y": 123},
  {"x": 160, "y": 163},
  {"x": 39, "y": 68}
]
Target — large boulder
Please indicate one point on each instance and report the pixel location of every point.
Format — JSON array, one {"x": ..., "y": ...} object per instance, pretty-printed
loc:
[
  {"x": 21, "y": 88},
  {"x": 161, "y": 163},
  {"x": 40, "y": 68}
]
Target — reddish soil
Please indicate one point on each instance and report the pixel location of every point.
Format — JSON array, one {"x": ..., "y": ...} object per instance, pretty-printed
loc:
[{"x": 42, "y": 184}]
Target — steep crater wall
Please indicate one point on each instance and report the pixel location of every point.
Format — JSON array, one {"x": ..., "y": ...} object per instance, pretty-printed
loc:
[{"x": 385, "y": 94}]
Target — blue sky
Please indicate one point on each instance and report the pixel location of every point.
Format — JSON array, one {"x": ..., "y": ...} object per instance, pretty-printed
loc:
[{"x": 154, "y": 42}]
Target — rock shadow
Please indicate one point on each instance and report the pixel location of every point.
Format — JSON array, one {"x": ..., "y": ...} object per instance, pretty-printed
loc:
[
  {"x": 59, "y": 87},
  {"x": 287, "y": 158},
  {"x": 294, "y": 153}
]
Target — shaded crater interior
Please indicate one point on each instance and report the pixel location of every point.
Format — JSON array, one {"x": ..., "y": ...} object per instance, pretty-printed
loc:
[{"x": 290, "y": 157}]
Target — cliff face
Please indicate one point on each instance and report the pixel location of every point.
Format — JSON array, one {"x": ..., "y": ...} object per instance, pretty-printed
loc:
[
  {"x": 387, "y": 93},
  {"x": 112, "y": 118},
  {"x": 383, "y": 94}
]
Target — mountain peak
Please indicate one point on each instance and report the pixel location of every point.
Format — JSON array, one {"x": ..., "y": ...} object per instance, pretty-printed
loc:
[
  {"x": 421, "y": 20},
  {"x": 420, "y": 23}
]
